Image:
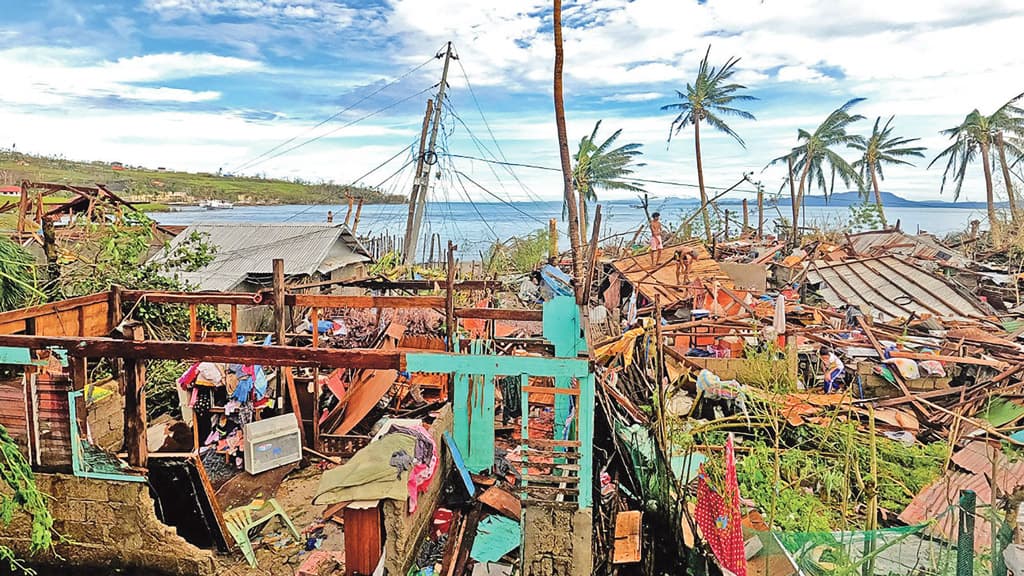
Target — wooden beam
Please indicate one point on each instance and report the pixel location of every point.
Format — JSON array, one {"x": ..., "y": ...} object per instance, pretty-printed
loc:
[
  {"x": 211, "y": 298},
  {"x": 213, "y": 352},
  {"x": 339, "y": 301},
  {"x": 518, "y": 314}
]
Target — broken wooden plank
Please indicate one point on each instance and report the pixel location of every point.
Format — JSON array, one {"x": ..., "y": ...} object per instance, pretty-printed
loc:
[
  {"x": 950, "y": 359},
  {"x": 502, "y": 501},
  {"x": 628, "y": 527}
]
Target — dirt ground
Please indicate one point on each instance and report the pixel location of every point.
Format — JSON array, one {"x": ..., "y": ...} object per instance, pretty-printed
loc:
[{"x": 277, "y": 554}]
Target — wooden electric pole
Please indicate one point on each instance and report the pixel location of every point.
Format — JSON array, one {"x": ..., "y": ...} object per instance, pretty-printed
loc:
[{"x": 427, "y": 159}]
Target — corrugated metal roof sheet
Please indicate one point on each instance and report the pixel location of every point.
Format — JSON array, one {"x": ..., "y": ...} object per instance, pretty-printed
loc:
[
  {"x": 658, "y": 277},
  {"x": 250, "y": 248},
  {"x": 935, "y": 500},
  {"x": 892, "y": 287},
  {"x": 881, "y": 242}
]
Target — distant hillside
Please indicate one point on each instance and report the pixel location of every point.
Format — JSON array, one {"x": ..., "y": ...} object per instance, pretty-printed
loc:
[
  {"x": 166, "y": 186},
  {"x": 843, "y": 199}
]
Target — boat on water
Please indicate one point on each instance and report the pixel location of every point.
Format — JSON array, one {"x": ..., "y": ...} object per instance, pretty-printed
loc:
[{"x": 216, "y": 205}]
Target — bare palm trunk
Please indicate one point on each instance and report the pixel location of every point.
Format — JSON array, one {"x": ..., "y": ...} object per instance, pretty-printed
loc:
[
  {"x": 700, "y": 180},
  {"x": 993, "y": 220},
  {"x": 799, "y": 198},
  {"x": 878, "y": 194},
  {"x": 584, "y": 217},
  {"x": 1006, "y": 177},
  {"x": 563, "y": 148}
]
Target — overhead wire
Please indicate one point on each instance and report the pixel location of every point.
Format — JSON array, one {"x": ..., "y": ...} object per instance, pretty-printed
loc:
[
  {"x": 645, "y": 180},
  {"x": 339, "y": 128},
  {"x": 249, "y": 163}
]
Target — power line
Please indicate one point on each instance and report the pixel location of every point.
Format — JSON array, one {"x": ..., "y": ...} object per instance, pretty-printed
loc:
[
  {"x": 249, "y": 163},
  {"x": 646, "y": 180}
]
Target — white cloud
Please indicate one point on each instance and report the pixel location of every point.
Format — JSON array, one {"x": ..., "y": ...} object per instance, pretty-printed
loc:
[
  {"x": 49, "y": 76},
  {"x": 633, "y": 97}
]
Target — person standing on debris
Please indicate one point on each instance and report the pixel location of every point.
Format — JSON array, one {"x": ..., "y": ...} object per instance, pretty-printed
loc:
[
  {"x": 834, "y": 370},
  {"x": 330, "y": 216},
  {"x": 656, "y": 244}
]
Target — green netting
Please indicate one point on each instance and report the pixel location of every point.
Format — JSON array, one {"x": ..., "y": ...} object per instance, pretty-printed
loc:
[
  {"x": 891, "y": 551},
  {"x": 905, "y": 550}
]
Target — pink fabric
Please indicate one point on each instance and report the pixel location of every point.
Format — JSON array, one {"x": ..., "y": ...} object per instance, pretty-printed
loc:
[
  {"x": 719, "y": 517},
  {"x": 656, "y": 242},
  {"x": 189, "y": 377},
  {"x": 421, "y": 475}
]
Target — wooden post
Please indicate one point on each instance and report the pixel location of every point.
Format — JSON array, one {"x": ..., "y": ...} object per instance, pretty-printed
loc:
[
  {"x": 449, "y": 303},
  {"x": 193, "y": 323},
  {"x": 348, "y": 213},
  {"x": 234, "y": 323},
  {"x": 314, "y": 318},
  {"x": 23, "y": 204},
  {"x": 279, "y": 308},
  {"x": 279, "y": 328},
  {"x": 746, "y": 218},
  {"x": 359, "y": 210},
  {"x": 289, "y": 379},
  {"x": 659, "y": 373},
  {"x": 135, "y": 403},
  {"x": 760, "y": 210},
  {"x": 114, "y": 317},
  {"x": 592, "y": 258},
  {"x": 726, "y": 235},
  {"x": 552, "y": 240}
]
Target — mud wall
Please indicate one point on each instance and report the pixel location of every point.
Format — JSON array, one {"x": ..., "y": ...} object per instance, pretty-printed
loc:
[
  {"x": 403, "y": 532},
  {"x": 108, "y": 525},
  {"x": 557, "y": 540}
]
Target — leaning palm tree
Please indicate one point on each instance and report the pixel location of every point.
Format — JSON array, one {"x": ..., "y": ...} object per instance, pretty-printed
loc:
[
  {"x": 602, "y": 166},
  {"x": 815, "y": 155},
  {"x": 883, "y": 148},
  {"x": 976, "y": 135},
  {"x": 710, "y": 97}
]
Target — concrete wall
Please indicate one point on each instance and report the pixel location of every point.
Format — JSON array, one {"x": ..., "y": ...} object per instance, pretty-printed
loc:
[
  {"x": 403, "y": 532},
  {"x": 110, "y": 525}
]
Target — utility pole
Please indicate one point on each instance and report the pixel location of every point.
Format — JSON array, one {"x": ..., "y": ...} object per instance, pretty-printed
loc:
[{"x": 425, "y": 163}]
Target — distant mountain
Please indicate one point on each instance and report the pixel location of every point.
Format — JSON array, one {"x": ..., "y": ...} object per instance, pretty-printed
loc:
[{"x": 890, "y": 200}]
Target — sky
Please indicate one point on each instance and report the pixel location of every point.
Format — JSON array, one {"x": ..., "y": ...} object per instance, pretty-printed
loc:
[{"x": 241, "y": 86}]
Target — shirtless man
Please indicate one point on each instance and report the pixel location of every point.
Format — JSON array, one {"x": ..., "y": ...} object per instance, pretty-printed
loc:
[
  {"x": 656, "y": 244},
  {"x": 685, "y": 258}
]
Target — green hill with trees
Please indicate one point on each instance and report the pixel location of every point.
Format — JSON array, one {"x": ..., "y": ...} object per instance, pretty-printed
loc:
[{"x": 163, "y": 185}]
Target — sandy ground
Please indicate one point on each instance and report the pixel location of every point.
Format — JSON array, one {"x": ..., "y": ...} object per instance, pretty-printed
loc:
[{"x": 283, "y": 558}]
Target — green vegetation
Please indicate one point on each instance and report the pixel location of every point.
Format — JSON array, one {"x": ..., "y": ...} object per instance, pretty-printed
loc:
[
  {"x": 976, "y": 134},
  {"x": 599, "y": 166},
  {"x": 879, "y": 149},
  {"x": 158, "y": 184},
  {"x": 519, "y": 255},
  {"x": 707, "y": 99},
  {"x": 816, "y": 159},
  {"x": 24, "y": 496},
  {"x": 18, "y": 282}
]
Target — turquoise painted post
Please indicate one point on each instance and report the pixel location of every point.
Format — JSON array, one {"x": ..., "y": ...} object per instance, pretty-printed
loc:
[
  {"x": 585, "y": 431},
  {"x": 463, "y": 409},
  {"x": 562, "y": 329}
]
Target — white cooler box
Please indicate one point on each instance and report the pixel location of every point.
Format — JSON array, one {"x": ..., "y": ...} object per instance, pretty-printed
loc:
[{"x": 271, "y": 443}]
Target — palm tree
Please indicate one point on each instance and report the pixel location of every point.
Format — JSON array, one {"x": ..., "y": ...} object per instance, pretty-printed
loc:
[
  {"x": 815, "y": 155},
  {"x": 883, "y": 148},
  {"x": 600, "y": 166},
  {"x": 575, "y": 239},
  {"x": 707, "y": 99},
  {"x": 974, "y": 136}
]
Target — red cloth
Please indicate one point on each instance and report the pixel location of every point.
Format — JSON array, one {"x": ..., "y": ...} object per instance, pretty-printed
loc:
[{"x": 719, "y": 517}]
